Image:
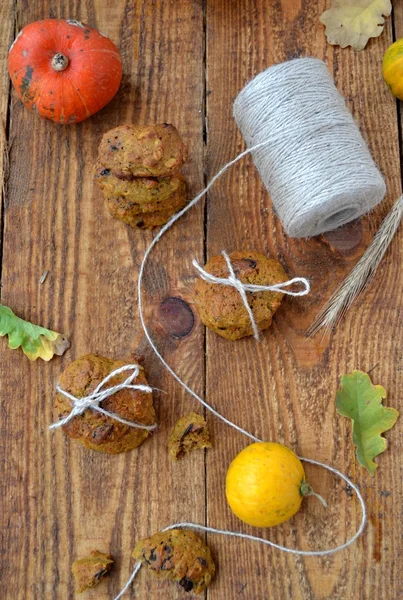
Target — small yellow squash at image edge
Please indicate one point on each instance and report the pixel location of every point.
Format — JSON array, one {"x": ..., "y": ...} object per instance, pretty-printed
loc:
[
  {"x": 265, "y": 484},
  {"x": 392, "y": 68}
]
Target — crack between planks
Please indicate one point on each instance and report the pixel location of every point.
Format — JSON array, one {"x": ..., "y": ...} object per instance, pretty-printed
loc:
[
  {"x": 205, "y": 234},
  {"x": 6, "y": 157},
  {"x": 398, "y": 110}
]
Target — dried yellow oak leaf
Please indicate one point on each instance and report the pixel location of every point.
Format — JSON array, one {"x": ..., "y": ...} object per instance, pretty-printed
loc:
[
  {"x": 35, "y": 341},
  {"x": 353, "y": 22}
]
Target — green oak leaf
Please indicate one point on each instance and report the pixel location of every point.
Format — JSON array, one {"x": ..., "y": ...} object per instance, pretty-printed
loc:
[
  {"x": 361, "y": 401},
  {"x": 35, "y": 341}
]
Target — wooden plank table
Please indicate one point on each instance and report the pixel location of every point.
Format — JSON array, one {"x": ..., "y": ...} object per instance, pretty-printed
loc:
[{"x": 184, "y": 62}]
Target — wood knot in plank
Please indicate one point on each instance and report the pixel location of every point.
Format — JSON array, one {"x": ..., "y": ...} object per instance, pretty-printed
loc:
[
  {"x": 346, "y": 239},
  {"x": 176, "y": 317}
]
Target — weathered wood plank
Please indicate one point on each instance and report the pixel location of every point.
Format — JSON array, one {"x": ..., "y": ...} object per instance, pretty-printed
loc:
[
  {"x": 283, "y": 388},
  {"x": 61, "y": 501}
]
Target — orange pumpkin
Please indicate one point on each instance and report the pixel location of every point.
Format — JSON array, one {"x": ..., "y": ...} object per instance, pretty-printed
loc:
[{"x": 64, "y": 70}]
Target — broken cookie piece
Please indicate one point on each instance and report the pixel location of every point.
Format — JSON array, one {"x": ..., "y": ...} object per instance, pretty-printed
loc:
[
  {"x": 189, "y": 433},
  {"x": 179, "y": 555},
  {"x": 89, "y": 571}
]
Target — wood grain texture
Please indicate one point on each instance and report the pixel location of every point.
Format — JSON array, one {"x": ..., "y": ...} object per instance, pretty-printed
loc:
[{"x": 59, "y": 500}]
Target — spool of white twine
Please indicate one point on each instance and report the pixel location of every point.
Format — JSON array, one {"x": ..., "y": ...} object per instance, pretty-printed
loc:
[{"x": 316, "y": 165}]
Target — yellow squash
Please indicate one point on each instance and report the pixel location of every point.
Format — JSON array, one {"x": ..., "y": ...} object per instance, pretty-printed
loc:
[
  {"x": 392, "y": 68},
  {"x": 265, "y": 484}
]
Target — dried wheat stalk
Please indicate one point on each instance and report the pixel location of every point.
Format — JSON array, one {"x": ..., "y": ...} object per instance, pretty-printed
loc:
[{"x": 361, "y": 275}]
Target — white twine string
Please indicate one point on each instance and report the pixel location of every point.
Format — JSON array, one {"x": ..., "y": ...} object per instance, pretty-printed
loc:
[
  {"x": 216, "y": 413},
  {"x": 94, "y": 399},
  {"x": 337, "y": 218},
  {"x": 254, "y": 538},
  {"x": 154, "y": 242},
  {"x": 242, "y": 288}
]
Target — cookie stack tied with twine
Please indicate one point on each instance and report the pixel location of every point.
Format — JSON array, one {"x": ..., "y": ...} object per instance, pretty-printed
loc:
[{"x": 138, "y": 173}]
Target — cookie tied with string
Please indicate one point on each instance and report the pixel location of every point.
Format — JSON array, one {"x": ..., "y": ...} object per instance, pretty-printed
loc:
[
  {"x": 105, "y": 404},
  {"x": 221, "y": 307}
]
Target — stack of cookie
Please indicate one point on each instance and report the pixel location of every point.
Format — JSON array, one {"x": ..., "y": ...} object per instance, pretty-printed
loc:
[{"x": 138, "y": 173}]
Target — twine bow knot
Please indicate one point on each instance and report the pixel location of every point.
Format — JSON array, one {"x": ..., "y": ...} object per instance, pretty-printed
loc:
[
  {"x": 101, "y": 393},
  {"x": 242, "y": 288}
]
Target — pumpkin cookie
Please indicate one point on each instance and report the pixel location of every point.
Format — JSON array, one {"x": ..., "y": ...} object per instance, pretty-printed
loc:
[
  {"x": 93, "y": 429},
  {"x": 142, "y": 151},
  {"x": 189, "y": 433},
  {"x": 89, "y": 571},
  {"x": 178, "y": 555},
  {"x": 144, "y": 194},
  {"x": 221, "y": 307},
  {"x": 144, "y": 220},
  {"x": 146, "y": 216}
]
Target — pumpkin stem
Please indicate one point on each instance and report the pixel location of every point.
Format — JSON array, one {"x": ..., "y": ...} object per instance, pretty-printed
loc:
[
  {"x": 59, "y": 62},
  {"x": 306, "y": 490}
]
